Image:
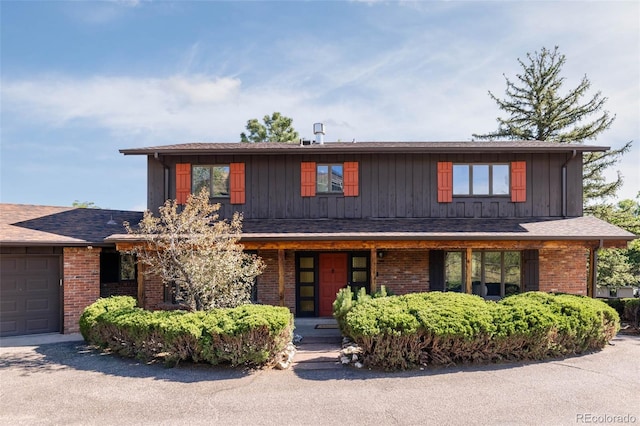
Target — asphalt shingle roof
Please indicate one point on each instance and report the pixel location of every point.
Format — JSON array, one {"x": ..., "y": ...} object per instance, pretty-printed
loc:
[
  {"x": 362, "y": 148},
  {"x": 22, "y": 224},
  {"x": 579, "y": 228}
]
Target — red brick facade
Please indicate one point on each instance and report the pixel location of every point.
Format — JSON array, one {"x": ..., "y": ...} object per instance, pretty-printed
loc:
[
  {"x": 81, "y": 283},
  {"x": 563, "y": 270},
  {"x": 401, "y": 272},
  {"x": 404, "y": 271},
  {"x": 268, "y": 292}
]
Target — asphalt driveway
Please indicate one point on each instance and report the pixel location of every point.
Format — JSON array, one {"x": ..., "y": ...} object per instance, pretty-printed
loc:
[{"x": 67, "y": 383}]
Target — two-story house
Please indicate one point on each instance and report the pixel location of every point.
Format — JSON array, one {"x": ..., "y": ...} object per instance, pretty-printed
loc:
[{"x": 488, "y": 218}]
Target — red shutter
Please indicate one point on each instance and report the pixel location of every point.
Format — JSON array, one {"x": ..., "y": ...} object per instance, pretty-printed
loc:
[
  {"x": 308, "y": 179},
  {"x": 236, "y": 183},
  {"x": 350, "y": 169},
  {"x": 445, "y": 181},
  {"x": 519, "y": 181},
  {"x": 183, "y": 182}
]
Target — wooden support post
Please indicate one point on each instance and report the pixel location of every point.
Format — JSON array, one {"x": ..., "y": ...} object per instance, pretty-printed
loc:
[
  {"x": 140, "y": 281},
  {"x": 590, "y": 278},
  {"x": 281, "y": 276},
  {"x": 374, "y": 270},
  {"x": 467, "y": 272}
]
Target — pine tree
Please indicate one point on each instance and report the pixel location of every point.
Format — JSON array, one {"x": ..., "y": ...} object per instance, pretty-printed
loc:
[
  {"x": 276, "y": 128},
  {"x": 538, "y": 110}
]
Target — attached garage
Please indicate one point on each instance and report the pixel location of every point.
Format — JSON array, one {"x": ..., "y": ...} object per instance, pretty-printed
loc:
[
  {"x": 50, "y": 265},
  {"x": 29, "y": 294}
]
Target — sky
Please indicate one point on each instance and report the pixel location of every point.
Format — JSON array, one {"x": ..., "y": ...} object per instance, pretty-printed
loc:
[{"x": 81, "y": 80}]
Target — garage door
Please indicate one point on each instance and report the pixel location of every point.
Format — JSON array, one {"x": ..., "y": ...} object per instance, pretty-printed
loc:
[{"x": 29, "y": 295}]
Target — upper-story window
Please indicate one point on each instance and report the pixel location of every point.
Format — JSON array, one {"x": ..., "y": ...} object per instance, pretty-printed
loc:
[
  {"x": 324, "y": 178},
  {"x": 481, "y": 179},
  {"x": 329, "y": 178},
  {"x": 214, "y": 177}
]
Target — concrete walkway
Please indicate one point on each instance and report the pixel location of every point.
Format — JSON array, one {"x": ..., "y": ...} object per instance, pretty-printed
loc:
[{"x": 320, "y": 346}]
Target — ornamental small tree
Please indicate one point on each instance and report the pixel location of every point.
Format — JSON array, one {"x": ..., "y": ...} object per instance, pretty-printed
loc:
[{"x": 192, "y": 249}]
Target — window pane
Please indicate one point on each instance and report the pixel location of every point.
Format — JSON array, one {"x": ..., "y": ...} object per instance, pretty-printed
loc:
[
  {"x": 322, "y": 179},
  {"x": 511, "y": 272},
  {"x": 220, "y": 181},
  {"x": 336, "y": 178},
  {"x": 461, "y": 179},
  {"x": 201, "y": 178},
  {"x": 500, "y": 179},
  {"x": 127, "y": 267},
  {"x": 306, "y": 277},
  {"x": 359, "y": 262},
  {"x": 359, "y": 276},
  {"x": 492, "y": 272},
  {"x": 307, "y": 306},
  {"x": 480, "y": 179},
  {"x": 306, "y": 262},
  {"x": 453, "y": 271},
  {"x": 476, "y": 274},
  {"x": 306, "y": 291}
]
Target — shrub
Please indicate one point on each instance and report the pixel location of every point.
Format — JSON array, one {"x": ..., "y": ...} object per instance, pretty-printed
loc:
[
  {"x": 449, "y": 328},
  {"x": 631, "y": 311},
  {"x": 346, "y": 299},
  {"x": 92, "y": 312},
  {"x": 245, "y": 335}
]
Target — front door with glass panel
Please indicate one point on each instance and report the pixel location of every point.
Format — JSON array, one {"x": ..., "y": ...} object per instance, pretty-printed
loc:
[{"x": 332, "y": 277}]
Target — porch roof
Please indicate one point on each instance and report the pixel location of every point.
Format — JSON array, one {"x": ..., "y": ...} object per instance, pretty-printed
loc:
[
  {"x": 579, "y": 228},
  {"x": 539, "y": 229}
]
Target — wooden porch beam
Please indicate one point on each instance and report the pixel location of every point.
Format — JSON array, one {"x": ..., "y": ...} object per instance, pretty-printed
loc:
[{"x": 412, "y": 244}]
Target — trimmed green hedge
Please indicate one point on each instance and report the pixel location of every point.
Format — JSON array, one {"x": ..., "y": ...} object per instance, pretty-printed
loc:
[
  {"x": 246, "y": 335},
  {"x": 438, "y": 328}
]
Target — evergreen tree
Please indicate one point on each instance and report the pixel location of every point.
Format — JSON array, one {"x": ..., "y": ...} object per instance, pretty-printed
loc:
[
  {"x": 538, "y": 109},
  {"x": 276, "y": 128}
]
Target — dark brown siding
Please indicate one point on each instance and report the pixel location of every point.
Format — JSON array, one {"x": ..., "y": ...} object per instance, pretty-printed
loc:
[{"x": 399, "y": 185}]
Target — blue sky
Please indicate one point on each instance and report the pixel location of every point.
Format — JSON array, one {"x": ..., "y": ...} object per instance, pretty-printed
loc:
[{"x": 80, "y": 80}]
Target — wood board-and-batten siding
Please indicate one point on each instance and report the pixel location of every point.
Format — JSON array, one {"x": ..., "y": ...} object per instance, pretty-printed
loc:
[{"x": 390, "y": 186}]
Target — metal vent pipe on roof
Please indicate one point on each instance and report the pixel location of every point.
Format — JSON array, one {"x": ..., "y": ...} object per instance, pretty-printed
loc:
[{"x": 318, "y": 130}]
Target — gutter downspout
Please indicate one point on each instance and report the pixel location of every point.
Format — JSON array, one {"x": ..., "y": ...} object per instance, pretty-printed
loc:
[{"x": 564, "y": 182}]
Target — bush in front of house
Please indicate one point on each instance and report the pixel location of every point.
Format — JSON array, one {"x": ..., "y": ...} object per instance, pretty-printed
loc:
[
  {"x": 251, "y": 335},
  {"x": 438, "y": 328},
  {"x": 346, "y": 299},
  {"x": 628, "y": 308}
]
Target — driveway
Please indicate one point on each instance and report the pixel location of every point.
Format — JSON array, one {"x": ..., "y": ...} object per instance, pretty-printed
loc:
[{"x": 67, "y": 383}]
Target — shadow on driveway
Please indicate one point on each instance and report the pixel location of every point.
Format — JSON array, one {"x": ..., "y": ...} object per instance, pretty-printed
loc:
[{"x": 49, "y": 358}]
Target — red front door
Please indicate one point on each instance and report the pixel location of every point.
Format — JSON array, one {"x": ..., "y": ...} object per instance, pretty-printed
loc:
[{"x": 333, "y": 276}]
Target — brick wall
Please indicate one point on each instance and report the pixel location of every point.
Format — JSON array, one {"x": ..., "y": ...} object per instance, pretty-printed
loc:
[
  {"x": 563, "y": 270},
  {"x": 153, "y": 294},
  {"x": 81, "y": 283},
  {"x": 268, "y": 282},
  {"x": 404, "y": 271}
]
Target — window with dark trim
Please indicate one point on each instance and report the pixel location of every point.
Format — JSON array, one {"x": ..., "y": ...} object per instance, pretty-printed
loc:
[
  {"x": 330, "y": 178},
  {"x": 213, "y": 177},
  {"x": 481, "y": 179},
  {"x": 494, "y": 274},
  {"x": 116, "y": 267}
]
